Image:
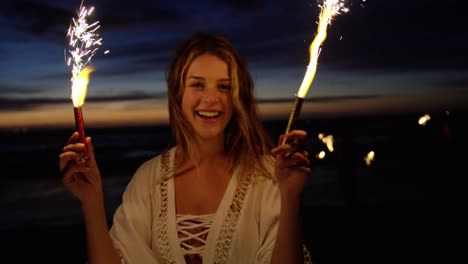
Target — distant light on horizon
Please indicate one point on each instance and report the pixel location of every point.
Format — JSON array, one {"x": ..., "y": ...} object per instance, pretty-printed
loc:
[
  {"x": 369, "y": 158},
  {"x": 321, "y": 155},
  {"x": 327, "y": 140},
  {"x": 424, "y": 119}
]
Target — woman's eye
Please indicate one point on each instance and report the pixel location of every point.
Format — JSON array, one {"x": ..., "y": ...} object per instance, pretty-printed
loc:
[
  {"x": 225, "y": 86},
  {"x": 196, "y": 84}
]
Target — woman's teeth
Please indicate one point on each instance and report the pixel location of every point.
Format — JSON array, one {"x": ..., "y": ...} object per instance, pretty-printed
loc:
[{"x": 207, "y": 114}]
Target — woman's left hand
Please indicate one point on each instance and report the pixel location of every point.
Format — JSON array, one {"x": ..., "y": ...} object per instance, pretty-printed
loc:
[{"x": 292, "y": 163}]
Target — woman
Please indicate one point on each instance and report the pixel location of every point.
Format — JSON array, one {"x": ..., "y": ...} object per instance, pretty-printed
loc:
[{"x": 221, "y": 195}]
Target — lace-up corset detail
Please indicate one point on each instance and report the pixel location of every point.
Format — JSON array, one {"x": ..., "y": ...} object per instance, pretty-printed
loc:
[{"x": 193, "y": 231}]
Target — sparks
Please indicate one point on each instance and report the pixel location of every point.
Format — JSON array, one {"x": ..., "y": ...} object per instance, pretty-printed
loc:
[
  {"x": 83, "y": 43},
  {"x": 329, "y": 9}
]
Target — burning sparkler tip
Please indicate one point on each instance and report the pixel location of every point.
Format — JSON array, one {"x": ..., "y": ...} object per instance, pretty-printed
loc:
[
  {"x": 83, "y": 42},
  {"x": 328, "y": 10}
]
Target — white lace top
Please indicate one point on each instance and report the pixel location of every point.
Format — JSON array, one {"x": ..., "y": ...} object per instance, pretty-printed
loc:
[
  {"x": 146, "y": 228},
  {"x": 193, "y": 231}
]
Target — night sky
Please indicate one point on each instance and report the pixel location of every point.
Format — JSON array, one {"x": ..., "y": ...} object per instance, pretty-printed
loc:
[{"x": 382, "y": 56}]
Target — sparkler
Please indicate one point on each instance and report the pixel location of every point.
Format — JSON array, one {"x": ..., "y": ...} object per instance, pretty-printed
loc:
[
  {"x": 329, "y": 9},
  {"x": 83, "y": 42}
]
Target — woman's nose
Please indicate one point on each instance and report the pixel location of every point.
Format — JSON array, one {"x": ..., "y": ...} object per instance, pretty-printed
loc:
[{"x": 210, "y": 96}]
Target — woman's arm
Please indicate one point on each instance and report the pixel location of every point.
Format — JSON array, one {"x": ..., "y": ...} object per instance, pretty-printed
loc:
[
  {"x": 100, "y": 248},
  {"x": 82, "y": 178},
  {"x": 292, "y": 171},
  {"x": 288, "y": 245}
]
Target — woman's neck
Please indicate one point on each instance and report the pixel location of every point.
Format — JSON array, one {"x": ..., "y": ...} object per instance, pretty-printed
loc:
[
  {"x": 211, "y": 149},
  {"x": 207, "y": 153}
]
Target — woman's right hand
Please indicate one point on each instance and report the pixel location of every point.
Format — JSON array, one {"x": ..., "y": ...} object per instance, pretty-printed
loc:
[{"x": 80, "y": 175}]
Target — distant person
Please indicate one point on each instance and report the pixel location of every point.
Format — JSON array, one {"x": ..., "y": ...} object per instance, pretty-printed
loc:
[
  {"x": 220, "y": 195},
  {"x": 446, "y": 131}
]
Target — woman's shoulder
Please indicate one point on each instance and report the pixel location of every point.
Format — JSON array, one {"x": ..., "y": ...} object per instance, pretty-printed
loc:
[
  {"x": 150, "y": 170},
  {"x": 264, "y": 181},
  {"x": 265, "y": 193},
  {"x": 265, "y": 172}
]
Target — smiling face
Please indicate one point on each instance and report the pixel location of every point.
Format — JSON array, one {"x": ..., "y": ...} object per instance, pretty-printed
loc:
[{"x": 206, "y": 100}]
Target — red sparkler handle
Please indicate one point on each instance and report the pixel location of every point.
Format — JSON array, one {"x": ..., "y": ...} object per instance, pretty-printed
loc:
[
  {"x": 79, "y": 123},
  {"x": 294, "y": 115}
]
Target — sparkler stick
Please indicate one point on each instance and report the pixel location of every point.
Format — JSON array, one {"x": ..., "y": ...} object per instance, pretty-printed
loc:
[
  {"x": 83, "y": 42},
  {"x": 329, "y": 9},
  {"x": 79, "y": 124}
]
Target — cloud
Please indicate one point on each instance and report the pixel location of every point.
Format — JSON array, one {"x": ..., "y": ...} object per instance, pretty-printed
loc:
[
  {"x": 399, "y": 36},
  {"x": 32, "y": 103},
  {"x": 235, "y": 19},
  {"x": 125, "y": 69},
  {"x": 142, "y": 56},
  {"x": 120, "y": 15},
  {"x": 322, "y": 99},
  {"x": 461, "y": 82},
  {"x": 36, "y": 18},
  {"x": 115, "y": 67},
  {"x": 3, "y": 53},
  {"x": 17, "y": 89},
  {"x": 241, "y": 5},
  {"x": 24, "y": 104},
  {"x": 141, "y": 48}
]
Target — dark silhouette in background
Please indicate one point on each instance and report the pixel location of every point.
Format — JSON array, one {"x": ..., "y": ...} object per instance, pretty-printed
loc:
[{"x": 347, "y": 167}]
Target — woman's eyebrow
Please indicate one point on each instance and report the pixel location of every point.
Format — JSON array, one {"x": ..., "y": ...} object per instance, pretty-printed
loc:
[{"x": 195, "y": 77}]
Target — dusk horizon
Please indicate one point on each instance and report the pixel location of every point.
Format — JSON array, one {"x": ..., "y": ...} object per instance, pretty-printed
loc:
[{"x": 378, "y": 57}]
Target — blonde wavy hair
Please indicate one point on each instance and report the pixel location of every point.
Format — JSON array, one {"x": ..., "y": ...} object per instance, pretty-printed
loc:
[{"x": 246, "y": 141}]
